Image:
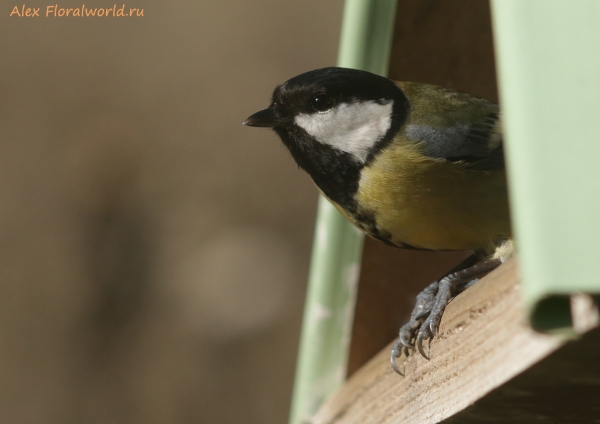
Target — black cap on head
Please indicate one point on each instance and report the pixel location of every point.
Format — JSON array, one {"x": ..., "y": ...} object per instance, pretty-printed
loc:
[
  {"x": 340, "y": 85},
  {"x": 321, "y": 89}
]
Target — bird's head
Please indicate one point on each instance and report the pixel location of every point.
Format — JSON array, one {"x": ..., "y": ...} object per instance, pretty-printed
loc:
[{"x": 335, "y": 112}]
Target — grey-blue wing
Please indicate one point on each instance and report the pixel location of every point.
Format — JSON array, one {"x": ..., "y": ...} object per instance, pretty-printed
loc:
[{"x": 477, "y": 144}]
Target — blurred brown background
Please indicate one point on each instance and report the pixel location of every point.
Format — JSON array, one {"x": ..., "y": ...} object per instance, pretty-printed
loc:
[{"x": 154, "y": 252}]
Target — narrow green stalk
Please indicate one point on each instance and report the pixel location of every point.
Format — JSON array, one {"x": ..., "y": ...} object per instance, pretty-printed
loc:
[{"x": 366, "y": 39}]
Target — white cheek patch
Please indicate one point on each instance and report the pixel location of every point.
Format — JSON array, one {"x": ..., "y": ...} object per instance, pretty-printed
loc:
[{"x": 350, "y": 127}]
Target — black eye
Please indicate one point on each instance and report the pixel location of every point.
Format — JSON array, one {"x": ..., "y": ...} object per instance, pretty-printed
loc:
[{"x": 321, "y": 102}]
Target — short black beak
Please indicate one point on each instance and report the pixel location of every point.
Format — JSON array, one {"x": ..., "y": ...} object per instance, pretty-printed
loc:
[{"x": 264, "y": 118}]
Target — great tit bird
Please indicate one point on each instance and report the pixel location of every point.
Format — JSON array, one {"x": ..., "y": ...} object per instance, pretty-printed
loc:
[{"x": 414, "y": 165}]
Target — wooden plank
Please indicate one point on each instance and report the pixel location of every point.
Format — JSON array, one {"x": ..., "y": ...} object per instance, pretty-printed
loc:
[
  {"x": 562, "y": 388},
  {"x": 483, "y": 342}
]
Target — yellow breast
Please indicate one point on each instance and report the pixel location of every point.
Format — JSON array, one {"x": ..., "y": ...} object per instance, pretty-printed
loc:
[{"x": 434, "y": 204}]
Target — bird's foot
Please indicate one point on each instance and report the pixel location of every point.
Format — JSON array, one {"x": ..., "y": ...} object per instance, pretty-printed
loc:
[
  {"x": 406, "y": 337},
  {"x": 431, "y": 303},
  {"x": 429, "y": 328}
]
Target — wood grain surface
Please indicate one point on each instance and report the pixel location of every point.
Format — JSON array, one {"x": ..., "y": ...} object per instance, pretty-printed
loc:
[{"x": 483, "y": 342}]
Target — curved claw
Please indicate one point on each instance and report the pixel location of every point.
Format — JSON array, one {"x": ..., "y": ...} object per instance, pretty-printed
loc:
[
  {"x": 404, "y": 340},
  {"x": 420, "y": 337},
  {"x": 407, "y": 344},
  {"x": 407, "y": 333},
  {"x": 434, "y": 325},
  {"x": 395, "y": 353}
]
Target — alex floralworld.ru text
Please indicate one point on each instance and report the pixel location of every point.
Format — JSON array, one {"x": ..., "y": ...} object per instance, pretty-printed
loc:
[{"x": 83, "y": 11}]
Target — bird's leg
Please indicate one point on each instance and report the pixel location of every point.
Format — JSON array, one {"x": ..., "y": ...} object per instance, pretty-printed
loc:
[
  {"x": 462, "y": 287},
  {"x": 425, "y": 301},
  {"x": 447, "y": 289}
]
